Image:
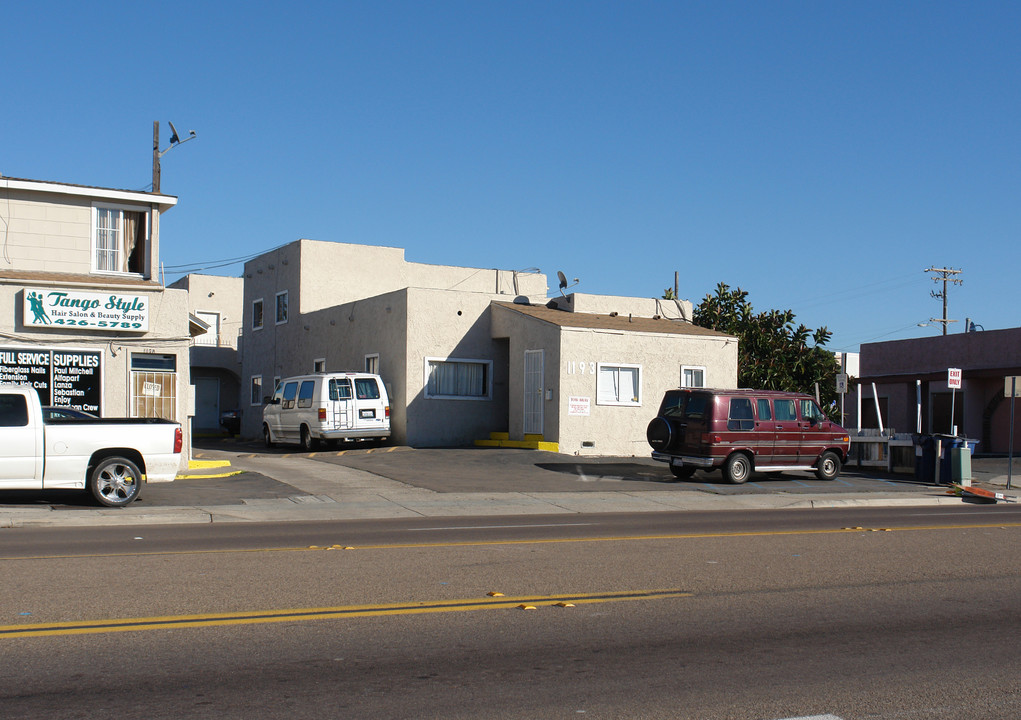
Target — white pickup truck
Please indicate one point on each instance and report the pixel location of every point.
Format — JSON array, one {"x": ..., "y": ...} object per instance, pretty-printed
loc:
[{"x": 108, "y": 457}]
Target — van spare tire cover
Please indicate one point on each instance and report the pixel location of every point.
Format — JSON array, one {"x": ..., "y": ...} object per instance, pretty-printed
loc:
[{"x": 660, "y": 434}]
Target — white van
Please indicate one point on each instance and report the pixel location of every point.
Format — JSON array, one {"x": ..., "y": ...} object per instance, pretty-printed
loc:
[{"x": 327, "y": 406}]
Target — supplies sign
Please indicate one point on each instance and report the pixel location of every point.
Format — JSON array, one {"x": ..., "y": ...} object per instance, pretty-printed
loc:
[{"x": 67, "y": 378}]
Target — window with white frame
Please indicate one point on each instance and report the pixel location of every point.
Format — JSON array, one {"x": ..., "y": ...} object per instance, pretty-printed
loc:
[
  {"x": 281, "y": 307},
  {"x": 120, "y": 239},
  {"x": 372, "y": 363},
  {"x": 458, "y": 379},
  {"x": 692, "y": 376},
  {"x": 319, "y": 366},
  {"x": 619, "y": 385},
  {"x": 256, "y": 397},
  {"x": 257, "y": 314}
]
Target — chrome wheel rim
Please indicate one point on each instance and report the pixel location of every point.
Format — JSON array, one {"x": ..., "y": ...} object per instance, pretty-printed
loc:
[{"x": 117, "y": 483}]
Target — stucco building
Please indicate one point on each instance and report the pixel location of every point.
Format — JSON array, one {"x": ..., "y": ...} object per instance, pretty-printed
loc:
[
  {"x": 472, "y": 354},
  {"x": 906, "y": 371},
  {"x": 83, "y": 315},
  {"x": 214, "y": 312}
]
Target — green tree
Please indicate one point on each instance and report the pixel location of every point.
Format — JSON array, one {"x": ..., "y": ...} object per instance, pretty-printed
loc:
[{"x": 773, "y": 352}]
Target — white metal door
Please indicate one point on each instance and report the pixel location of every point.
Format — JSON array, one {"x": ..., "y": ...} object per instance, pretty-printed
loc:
[{"x": 533, "y": 391}]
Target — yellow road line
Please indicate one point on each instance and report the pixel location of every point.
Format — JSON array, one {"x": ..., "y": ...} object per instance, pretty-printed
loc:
[
  {"x": 93, "y": 627},
  {"x": 535, "y": 541}
]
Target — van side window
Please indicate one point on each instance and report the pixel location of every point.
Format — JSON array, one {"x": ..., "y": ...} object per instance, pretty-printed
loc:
[
  {"x": 305, "y": 393},
  {"x": 764, "y": 413},
  {"x": 290, "y": 392},
  {"x": 810, "y": 411},
  {"x": 740, "y": 417},
  {"x": 366, "y": 389},
  {"x": 340, "y": 390},
  {"x": 13, "y": 411},
  {"x": 784, "y": 410}
]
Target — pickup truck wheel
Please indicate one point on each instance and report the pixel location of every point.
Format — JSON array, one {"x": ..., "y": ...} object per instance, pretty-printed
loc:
[
  {"x": 682, "y": 473},
  {"x": 829, "y": 466},
  {"x": 115, "y": 482},
  {"x": 737, "y": 468},
  {"x": 267, "y": 438}
]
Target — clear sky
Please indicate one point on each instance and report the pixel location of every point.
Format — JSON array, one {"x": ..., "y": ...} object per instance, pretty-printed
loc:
[{"x": 819, "y": 155}]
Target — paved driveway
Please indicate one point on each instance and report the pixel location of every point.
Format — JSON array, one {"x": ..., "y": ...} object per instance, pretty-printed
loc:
[{"x": 506, "y": 470}]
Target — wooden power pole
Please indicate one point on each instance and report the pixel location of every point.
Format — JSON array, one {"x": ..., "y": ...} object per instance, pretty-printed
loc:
[{"x": 945, "y": 276}]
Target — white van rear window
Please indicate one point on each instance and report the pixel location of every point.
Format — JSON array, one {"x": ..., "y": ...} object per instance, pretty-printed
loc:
[{"x": 366, "y": 389}]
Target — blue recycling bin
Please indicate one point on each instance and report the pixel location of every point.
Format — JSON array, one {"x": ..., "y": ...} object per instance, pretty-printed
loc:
[{"x": 925, "y": 458}]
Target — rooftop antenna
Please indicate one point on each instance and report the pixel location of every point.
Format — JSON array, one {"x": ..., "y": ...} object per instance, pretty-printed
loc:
[
  {"x": 175, "y": 140},
  {"x": 563, "y": 282}
]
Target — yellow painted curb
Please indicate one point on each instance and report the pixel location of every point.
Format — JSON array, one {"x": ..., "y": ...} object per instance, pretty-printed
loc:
[
  {"x": 203, "y": 477},
  {"x": 202, "y": 464}
]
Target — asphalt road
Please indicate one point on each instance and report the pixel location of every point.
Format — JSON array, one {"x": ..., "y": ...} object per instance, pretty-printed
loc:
[{"x": 859, "y": 614}]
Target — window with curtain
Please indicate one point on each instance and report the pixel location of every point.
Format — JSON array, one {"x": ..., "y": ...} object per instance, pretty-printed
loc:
[
  {"x": 120, "y": 240},
  {"x": 619, "y": 385},
  {"x": 457, "y": 379}
]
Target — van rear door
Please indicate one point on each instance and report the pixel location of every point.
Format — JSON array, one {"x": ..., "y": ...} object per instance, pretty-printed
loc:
[
  {"x": 341, "y": 403},
  {"x": 371, "y": 412}
]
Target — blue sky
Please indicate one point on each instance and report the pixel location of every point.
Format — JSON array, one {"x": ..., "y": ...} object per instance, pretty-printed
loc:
[{"x": 819, "y": 155}]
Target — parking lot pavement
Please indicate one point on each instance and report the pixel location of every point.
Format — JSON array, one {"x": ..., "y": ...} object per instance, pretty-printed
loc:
[{"x": 460, "y": 470}]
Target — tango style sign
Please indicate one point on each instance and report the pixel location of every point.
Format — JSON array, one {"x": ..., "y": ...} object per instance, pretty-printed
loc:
[{"x": 66, "y": 309}]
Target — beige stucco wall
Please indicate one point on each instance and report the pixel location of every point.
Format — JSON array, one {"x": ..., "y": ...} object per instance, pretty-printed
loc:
[
  {"x": 620, "y": 430},
  {"x": 452, "y": 325},
  {"x": 45, "y": 236},
  {"x": 48, "y": 245},
  {"x": 167, "y": 335},
  {"x": 624, "y": 306},
  {"x": 571, "y": 362}
]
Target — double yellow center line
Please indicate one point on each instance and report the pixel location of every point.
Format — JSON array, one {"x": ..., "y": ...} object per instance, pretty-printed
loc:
[{"x": 168, "y": 622}]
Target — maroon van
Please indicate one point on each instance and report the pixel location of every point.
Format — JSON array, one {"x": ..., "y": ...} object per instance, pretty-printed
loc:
[{"x": 744, "y": 431}]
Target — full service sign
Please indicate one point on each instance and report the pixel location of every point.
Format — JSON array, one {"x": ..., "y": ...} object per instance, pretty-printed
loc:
[
  {"x": 68, "y": 378},
  {"x": 67, "y": 309}
]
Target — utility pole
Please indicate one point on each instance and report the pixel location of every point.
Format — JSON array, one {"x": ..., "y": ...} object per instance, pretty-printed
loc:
[
  {"x": 944, "y": 275},
  {"x": 156, "y": 156}
]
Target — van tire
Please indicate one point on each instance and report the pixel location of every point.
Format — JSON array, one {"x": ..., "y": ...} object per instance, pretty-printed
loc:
[
  {"x": 829, "y": 466},
  {"x": 737, "y": 469},
  {"x": 308, "y": 443},
  {"x": 267, "y": 438}
]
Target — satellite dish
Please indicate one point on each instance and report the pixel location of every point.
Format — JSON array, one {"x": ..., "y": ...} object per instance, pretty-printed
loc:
[
  {"x": 563, "y": 282},
  {"x": 174, "y": 137}
]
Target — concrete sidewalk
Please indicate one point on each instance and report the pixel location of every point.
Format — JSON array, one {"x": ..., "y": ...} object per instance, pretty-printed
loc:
[{"x": 323, "y": 486}]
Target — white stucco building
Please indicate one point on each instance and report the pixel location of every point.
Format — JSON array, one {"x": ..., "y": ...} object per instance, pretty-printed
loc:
[
  {"x": 83, "y": 315},
  {"x": 472, "y": 354}
]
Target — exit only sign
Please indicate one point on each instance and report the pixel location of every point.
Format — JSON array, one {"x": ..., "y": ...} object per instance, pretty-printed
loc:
[{"x": 954, "y": 378}]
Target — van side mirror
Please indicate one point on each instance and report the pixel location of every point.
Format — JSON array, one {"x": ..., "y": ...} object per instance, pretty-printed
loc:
[{"x": 267, "y": 400}]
